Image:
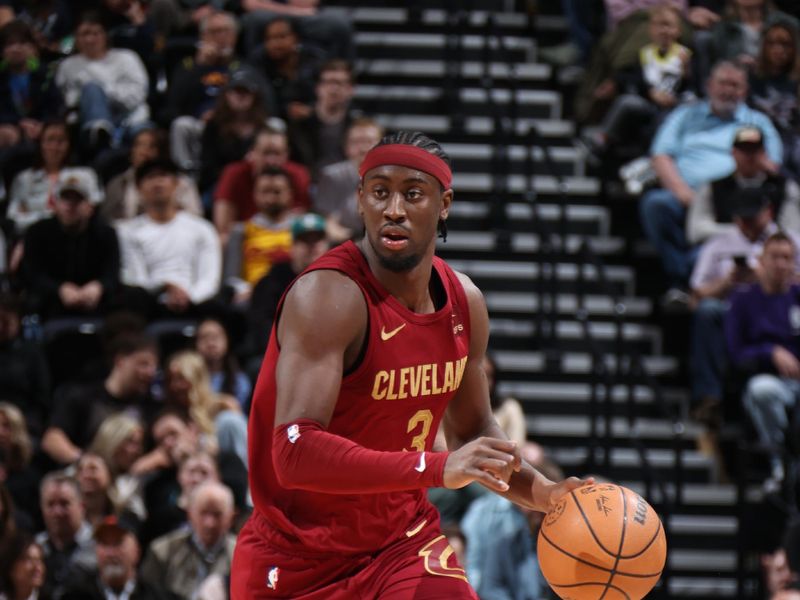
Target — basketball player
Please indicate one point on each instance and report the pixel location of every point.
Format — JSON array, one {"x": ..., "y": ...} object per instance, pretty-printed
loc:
[{"x": 374, "y": 345}]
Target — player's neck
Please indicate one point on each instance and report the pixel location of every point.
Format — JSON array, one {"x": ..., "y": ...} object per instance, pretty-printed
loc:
[{"x": 411, "y": 288}]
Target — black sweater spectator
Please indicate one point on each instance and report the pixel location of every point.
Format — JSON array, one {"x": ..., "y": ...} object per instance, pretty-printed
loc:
[{"x": 71, "y": 264}]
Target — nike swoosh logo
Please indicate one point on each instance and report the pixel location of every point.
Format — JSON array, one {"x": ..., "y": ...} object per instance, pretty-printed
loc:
[
  {"x": 387, "y": 335},
  {"x": 421, "y": 465}
]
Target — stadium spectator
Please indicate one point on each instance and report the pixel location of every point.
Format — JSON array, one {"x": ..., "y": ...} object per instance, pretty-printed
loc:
[
  {"x": 710, "y": 211},
  {"x": 122, "y": 199},
  {"x": 174, "y": 18},
  {"x": 236, "y": 118},
  {"x": 738, "y": 34},
  {"x": 71, "y": 262},
  {"x": 108, "y": 87},
  {"x": 319, "y": 139},
  {"x": 762, "y": 329},
  {"x": 774, "y": 83},
  {"x": 120, "y": 443},
  {"x": 233, "y": 198},
  {"x": 727, "y": 260},
  {"x": 167, "y": 496},
  {"x": 128, "y": 26},
  {"x": 289, "y": 68},
  {"x": 171, "y": 259},
  {"x": 197, "y": 82},
  {"x": 309, "y": 242},
  {"x": 22, "y": 569},
  {"x": 96, "y": 486},
  {"x": 618, "y": 50},
  {"x": 67, "y": 538},
  {"x": 692, "y": 147},
  {"x": 79, "y": 409},
  {"x": 507, "y": 411},
  {"x": 649, "y": 89},
  {"x": 218, "y": 417},
  {"x": 335, "y": 196},
  {"x": 33, "y": 190},
  {"x": 28, "y": 94},
  {"x": 263, "y": 240},
  {"x": 327, "y": 27},
  {"x": 20, "y": 478},
  {"x": 117, "y": 556},
  {"x": 24, "y": 378},
  {"x": 213, "y": 343},
  {"x": 52, "y": 24},
  {"x": 182, "y": 560}
]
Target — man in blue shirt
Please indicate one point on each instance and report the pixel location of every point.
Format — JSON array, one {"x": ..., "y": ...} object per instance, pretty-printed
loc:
[
  {"x": 692, "y": 147},
  {"x": 762, "y": 329}
]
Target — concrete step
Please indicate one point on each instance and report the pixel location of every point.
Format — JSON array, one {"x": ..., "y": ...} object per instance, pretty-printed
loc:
[
  {"x": 383, "y": 44},
  {"x": 422, "y": 99},
  {"x": 576, "y": 363},
  {"x": 476, "y": 128},
  {"x": 596, "y": 219},
  {"x": 595, "y": 305}
]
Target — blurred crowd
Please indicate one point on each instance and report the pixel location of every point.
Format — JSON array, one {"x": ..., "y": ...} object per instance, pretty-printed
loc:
[
  {"x": 166, "y": 169},
  {"x": 693, "y": 109}
]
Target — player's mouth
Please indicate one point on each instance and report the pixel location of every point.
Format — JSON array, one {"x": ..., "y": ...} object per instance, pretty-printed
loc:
[{"x": 394, "y": 239}]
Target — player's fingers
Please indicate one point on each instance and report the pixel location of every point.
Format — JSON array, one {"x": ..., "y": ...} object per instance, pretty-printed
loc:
[
  {"x": 499, "y": 469},
  {"x": 498, "y": 444},
  {"x": 489, "y": 480}
]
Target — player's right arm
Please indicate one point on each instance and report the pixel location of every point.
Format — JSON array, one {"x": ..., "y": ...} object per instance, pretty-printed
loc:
[{"x": 321, "y": 330}]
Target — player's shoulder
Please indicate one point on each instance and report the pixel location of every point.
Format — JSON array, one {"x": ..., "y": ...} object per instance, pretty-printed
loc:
[
  {"x": 472, "y": 291},
  {"x": 325, "y": 291},
  {"x": 324, "y": 307}
]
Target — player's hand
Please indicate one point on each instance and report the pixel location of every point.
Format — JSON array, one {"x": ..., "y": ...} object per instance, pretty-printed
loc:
[
  {"x": 489, "y": 461},
  {"x": 551, "y": 492}
]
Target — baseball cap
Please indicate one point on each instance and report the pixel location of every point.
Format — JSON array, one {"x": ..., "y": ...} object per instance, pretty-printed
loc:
[
  {"x": 748, "y": 202},
  {"x": 76, "y": 181},
  {"x": 113, "y": 527},
  {"x": 309, "y": 223},
  {"x": 157, "y": 165},
  {"x": 243, "y": 79},
  {"x": 748, "y": 136}
]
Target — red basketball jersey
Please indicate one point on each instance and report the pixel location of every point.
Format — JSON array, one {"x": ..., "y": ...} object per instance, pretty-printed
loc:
[{"x": 393, "y": 401}]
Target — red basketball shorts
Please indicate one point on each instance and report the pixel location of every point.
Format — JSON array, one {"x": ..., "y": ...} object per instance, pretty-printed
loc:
[{"x": 421, "y": 566}]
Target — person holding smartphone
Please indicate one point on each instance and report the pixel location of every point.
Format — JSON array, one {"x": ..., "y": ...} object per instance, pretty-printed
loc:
[{"x": 726, "y": 261}]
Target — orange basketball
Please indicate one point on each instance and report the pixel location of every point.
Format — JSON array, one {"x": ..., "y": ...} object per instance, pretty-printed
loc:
[{"x": 602, "y": 541}]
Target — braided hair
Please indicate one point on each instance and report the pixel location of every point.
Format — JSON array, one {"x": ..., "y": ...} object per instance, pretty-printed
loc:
[{"x": 422, "y": 141}]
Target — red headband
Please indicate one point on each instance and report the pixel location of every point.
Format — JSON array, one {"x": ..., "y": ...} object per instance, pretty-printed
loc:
[{"x": 407, "y": 156}]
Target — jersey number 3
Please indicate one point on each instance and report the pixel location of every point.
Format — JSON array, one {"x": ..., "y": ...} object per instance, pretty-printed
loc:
[{"x": 423, "y": 419}]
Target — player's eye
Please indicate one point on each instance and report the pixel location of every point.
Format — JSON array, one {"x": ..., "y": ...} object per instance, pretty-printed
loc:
[{"x": 414, "y": 194}]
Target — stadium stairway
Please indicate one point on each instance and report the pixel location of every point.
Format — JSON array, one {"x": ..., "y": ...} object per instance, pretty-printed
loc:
[{"x": 524, "y": 217}]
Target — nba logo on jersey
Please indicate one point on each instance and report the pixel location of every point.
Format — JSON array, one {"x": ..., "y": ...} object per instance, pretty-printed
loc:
[
  {"x": 293, "y": 432},
  {"x": 457, "y": 327},
  {"x": 272, "y": 578}
]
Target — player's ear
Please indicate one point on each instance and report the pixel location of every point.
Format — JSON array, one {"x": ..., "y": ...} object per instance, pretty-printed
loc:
[
  {"x": 447, "y": 200},
  {"x": 359, "y": 198}
]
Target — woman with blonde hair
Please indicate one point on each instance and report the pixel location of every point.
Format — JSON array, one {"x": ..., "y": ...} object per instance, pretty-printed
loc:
[
  {"x": 16, "y": 451},
  {"x": 189, "y": 389},
  {"x": 120, "y": 443}
]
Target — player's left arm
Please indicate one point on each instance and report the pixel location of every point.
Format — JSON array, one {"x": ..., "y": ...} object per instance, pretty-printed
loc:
[{"x": 469, "y": 416}]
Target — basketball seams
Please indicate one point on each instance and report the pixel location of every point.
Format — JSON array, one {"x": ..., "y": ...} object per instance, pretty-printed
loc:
[
  {"x": 589, "y": 525},
  {"x": 650, "y": 543},
  {"x": 572, "y": 556},
  {"x": 590, "y": 583},
  {"x": 602, "y": 523},
  {"x": 621, "y": 543}
]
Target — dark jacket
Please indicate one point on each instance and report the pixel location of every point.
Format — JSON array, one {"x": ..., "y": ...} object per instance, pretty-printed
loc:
[
  {"x": 43, "y": 100},
  {"x": 54, "y": 256}
]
